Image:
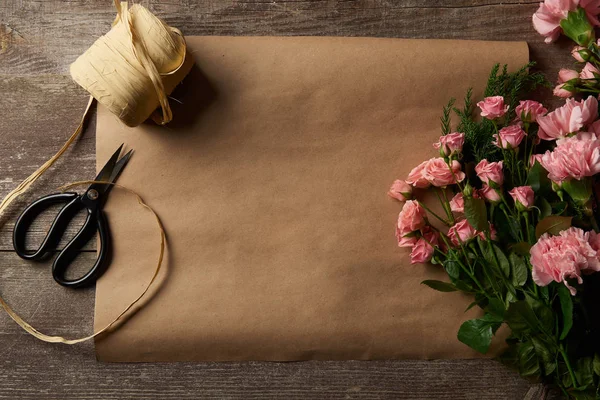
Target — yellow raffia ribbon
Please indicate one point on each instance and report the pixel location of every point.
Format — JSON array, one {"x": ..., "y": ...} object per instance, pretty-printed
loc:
[{"x": 130, "y": 70}]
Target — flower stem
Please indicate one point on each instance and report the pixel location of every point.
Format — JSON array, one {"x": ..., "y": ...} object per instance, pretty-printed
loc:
[
  {"x": 563, "y": 353},
  {"x": 526, "y": 217},
  {"x": 433, "y": 213}
]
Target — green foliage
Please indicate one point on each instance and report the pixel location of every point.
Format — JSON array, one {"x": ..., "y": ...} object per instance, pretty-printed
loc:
[
  {"x": 476, "y": 213},
  {"x": 440, "y": 286},
  {"x": 552, "y": 225},
  {"x": 478, "y": 333},
  {"x": 566, "y": 306},
  {"x": 513, "y": 86},
  {"x": 553, "y": 337}
]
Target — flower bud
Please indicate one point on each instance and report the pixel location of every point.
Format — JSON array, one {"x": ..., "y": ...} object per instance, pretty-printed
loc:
[{"x": 580, "y": 53}]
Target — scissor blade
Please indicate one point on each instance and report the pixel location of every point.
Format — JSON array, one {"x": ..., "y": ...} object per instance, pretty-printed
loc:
[
  {"x": 118, "y": 168},
  {"x": 106, "y": 171}
]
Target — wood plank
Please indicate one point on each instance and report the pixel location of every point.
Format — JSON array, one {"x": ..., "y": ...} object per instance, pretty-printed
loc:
[
  {"x": 30, "y": 367},
  {"x": 45, "y": 37}
]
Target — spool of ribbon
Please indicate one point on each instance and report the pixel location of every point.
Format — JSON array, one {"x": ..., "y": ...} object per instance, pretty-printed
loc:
[
  {"x": 134, "y": 67},
  {"x": 131, "y": 70}
]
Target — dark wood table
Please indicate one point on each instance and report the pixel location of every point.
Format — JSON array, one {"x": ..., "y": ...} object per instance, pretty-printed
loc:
[{"x": 39, "y": 108}]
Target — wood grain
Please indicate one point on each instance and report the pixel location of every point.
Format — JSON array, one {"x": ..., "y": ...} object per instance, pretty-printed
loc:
[{"x": 39, "y": 108}]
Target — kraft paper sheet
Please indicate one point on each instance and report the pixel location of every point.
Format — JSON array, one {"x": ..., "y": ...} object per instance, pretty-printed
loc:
[{"x": 271, "y": 183}]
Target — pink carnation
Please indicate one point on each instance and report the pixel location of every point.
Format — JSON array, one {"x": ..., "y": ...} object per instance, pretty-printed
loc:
[
  {"x": 523, "y": 197},
  {"x": 509, "y": 137},
  {"x": 492, "y": 107},
  {"x": 563, "y": 257},
  {"x": 451, "y": 143},
  {"x": 574, "y": 157},
  {"x": 546, "y": 19},
  {"x": 529, "y": 110},
  {"x": 490, "y": 172},
  {"x": 568, "y": 119},
  {"x": 439, "y": 174},
  {"x": 400, "y": 190},
  {"x": 416, "y": 178},
  {"x": 535, "y": 158},
  {"x": 423, "y": 251}
]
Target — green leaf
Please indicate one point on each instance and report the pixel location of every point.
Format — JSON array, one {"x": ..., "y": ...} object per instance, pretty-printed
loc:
[
  {"x": 584, "y": 371},
  {"x": 566, "y": 306},
  {"x": 496, "y": 309},
  {"x": 543, "y": 313},
  {"x": 529, "y": 364},
  {"x": 546, "y": 354},
  {"x": 596, "y": 364},
  {"x": 538, "y": 179},
  {"x": 559, "y": 208},
  {"x": 473, "y": 304},
  {"x": 452, "y": 268},
  {"x": 521, "y": 248},
  {"x": 478, "y": 333},
  {"x": 498, "y": 261},
  {"x": 440, "y": 286},
  {"x": 521, "y": 318},
  {"x": 520, "y": 273},
  {"x": 552, "y": 225},
  {"x": 476, "y": 213},
  {"x": 544, "y": 206}
]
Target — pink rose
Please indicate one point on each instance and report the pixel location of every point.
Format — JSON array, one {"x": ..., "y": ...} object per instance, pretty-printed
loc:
[
  {"x": 412, "y": 217},
  {"x": 529, "y": 110},
  {"x": 439, "y": 174},
  {"x": 574, "y": 157},
  {"x": 400, "y": 190},
  {"x": 547, "y": 18},
  {"x": 509, "y": 137},
  {"x": 457, "y": 203},
  {"x": 492, "y": 107},
  {"x": 416, "y": 178},
  {"x": 565, "y": 75},
  {"x": 589, "y": 72},
  {"x": 405, "y": 239},
  {"x": 451, "y": 143},
  {"x": 523, "y": 197},
  {"x": 423, "y": 251},
  {"x": 490, "y": 172},
  {"x": 563, "y": 257},
  {"x": 461, "y": 232},
  {"x": 580, "y": 53},
  {"x": 490, "y": 194},
  {"x": 568, "y": 119}
]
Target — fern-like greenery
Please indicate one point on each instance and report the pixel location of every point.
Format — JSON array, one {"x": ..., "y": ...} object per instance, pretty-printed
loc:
[{"x": 513, "y": 86}]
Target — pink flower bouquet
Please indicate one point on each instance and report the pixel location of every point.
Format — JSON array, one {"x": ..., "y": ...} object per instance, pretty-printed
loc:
[{"x": 516, "y": 224}]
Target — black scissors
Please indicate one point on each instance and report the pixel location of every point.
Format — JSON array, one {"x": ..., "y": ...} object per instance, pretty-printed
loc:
[{"x": 92, "y": 200}]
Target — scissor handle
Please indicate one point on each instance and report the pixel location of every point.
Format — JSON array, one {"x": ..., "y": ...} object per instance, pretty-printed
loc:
[
  {"x": 72, "y": 207},
  {"x": 95, "y": 221}
]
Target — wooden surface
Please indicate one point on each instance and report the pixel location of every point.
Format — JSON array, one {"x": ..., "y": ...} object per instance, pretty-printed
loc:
[{"x": 39, "y": 108}]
